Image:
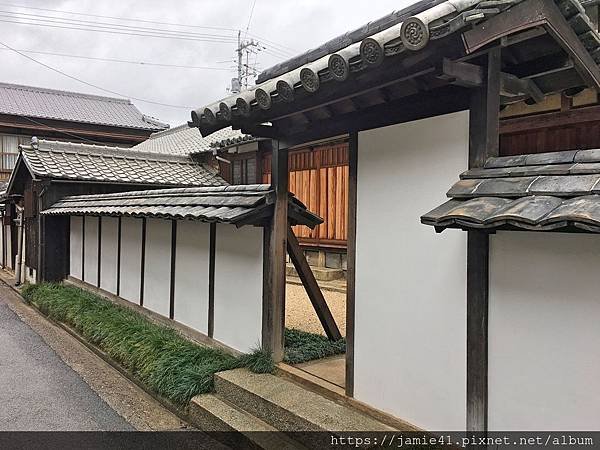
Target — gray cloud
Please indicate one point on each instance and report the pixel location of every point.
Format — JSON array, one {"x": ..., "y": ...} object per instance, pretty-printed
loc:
[{"x": 298, "y": 25}]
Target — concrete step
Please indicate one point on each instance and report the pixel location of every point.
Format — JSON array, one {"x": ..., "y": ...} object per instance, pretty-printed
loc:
[
  {"x": 321, "y": 273},
  {"x": 212, "y": 414},
  {"x": 289, "y": 407}
]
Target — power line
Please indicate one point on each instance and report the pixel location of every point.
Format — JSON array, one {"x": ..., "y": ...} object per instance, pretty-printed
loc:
[
  {"x": 287, "y": 49},
  {"x": 250, "y": 18},
  {"x": 107, "y": 25},
  {"x": 60, "y": 131},
  {"x": 141, "y": 63},
  {"x": 91, "y": 84},
  {"x": 224, "y": 39}
]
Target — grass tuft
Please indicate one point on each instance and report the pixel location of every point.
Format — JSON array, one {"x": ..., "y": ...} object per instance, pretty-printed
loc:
[
  {"x": 259, "y": 361},
  {"x": 301, "y": 346}
]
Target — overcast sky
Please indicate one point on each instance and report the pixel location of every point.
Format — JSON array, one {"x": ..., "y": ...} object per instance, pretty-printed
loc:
[{"x": 293, "y": 25}]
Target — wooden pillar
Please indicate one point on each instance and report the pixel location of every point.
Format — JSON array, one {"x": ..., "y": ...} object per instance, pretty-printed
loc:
[
  {"x": 351, "y": 261},
  {"x": 273, "y": 325},
  {"x": 483, "y": 143}
]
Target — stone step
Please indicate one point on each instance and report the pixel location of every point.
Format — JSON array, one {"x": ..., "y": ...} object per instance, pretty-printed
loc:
[
  {"x": 289, "y": 407},
  {"x": 212, "y": 414},
  {"x": 320, "y": 273}
]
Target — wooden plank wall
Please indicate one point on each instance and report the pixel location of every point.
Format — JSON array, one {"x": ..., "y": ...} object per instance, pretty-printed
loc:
[
  {"x": 319, "y": 178},
  {"x": 577, "y": 136}
]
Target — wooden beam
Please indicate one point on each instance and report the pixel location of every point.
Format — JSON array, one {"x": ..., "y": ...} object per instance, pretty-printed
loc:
[
  {"x": 99, "y": 273},
  {"x": 512, "y": 86},
  {"x": 211, "y": 279},
  {"x": 143, "y": 261},
  {"x": 530, "y": 14},
  {"x": 461, "y": 73},
  {"x": 549, "y": 120},
  {"x": 483, "y": 143},
  {"x": 119, "y": 247},
  {"x": 273, "y": 325},
  {"x": 312, "y": 288},
  {"x": 172, "y": 271},
  {"x": 351, "y": 260}
]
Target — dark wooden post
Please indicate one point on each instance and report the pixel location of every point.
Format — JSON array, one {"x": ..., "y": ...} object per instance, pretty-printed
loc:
[
  {"x": 483, "y": 143},
  {"x": 351, "y": 261},
  {"x": 274, "y": 287}
]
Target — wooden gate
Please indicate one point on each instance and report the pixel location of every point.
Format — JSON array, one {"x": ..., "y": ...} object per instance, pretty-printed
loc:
[{"x": 319, "y": 178}]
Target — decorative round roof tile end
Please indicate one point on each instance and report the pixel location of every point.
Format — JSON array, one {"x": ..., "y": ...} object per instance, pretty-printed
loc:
[
  {"x": 339, "y": 67},
  {"x": 243, "y": 107},
  {"x": 225, "y": 111},
  {"x": 209, "y": 116},
  {"x": 285, "y": 91},
  {"x": 263, "y": 99},
  {"x": 310, "y": 80},
  {"x": 371, "y": 52},
  {"x": 414, "y": 34}
]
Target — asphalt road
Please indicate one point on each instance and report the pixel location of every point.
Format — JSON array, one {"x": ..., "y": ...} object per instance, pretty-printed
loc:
[{"x": 38, "y": 391}]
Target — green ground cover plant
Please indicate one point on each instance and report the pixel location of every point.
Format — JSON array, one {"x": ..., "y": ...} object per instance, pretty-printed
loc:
[{"x": 156, "y": 355}]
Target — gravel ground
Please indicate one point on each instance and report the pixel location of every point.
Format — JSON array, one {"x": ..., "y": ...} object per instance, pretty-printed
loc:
[{"x": 300, "y": 314}]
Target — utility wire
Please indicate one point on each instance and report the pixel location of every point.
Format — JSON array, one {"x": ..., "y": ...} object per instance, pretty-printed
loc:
[
  {"x": 107, "y": 25},
  {"x": 250, "y": 19},
  {"x": 141, "y": 63},
  {"x": 60, "y": 131},
  {"x": 91, "y": 84},
  {"x": 223, "y": 40},
  {"x": 287, "y": 49}
]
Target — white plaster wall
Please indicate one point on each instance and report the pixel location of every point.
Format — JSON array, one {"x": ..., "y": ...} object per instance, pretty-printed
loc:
[
  {"x": 90, "y": 269},
  {"x": 109, "y": 254},
  {"x": 544, "y": 337},
  {"x": 9, "y": 258},
  {"x": 191, "y": 274},
  {"x": 238, "y": 286},
  {"x": 157, "y": 267},
  {"x": 410, "y": 322},
  {"x": 131, "y": 259}
]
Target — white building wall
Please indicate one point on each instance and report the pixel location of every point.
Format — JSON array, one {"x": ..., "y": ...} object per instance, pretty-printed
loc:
[
  {"x": 191, "y": 274},
  {"x": 543, "y": 331},
  {"x": 90, "y": 269},
  {"x": 130, "y": 277},
  {"x": 9, "y": 258},
  {"x": 157, "y": 266},
  {"x": 109, "y": 254},
  {"x": 238, "y": 286},
  {"x": 410, "y": 321}
]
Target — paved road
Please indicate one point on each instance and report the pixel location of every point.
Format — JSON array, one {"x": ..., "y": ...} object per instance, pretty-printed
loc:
[{"x": 38, "y": 391}]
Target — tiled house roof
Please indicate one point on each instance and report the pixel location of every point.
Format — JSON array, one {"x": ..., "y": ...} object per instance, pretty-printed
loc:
[
  {"x": 74, "y": 107},
  {"x": 84, "y": 162},
  {"x": 238, "y": 205},
  {"x": 546, "y": 191},
  {"x": 183, "y": 140}
]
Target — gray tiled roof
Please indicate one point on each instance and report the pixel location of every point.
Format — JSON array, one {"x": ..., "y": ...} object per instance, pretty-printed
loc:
[
  {"x": 364, "y": 49},
  {"x": 73, "y": 107},
  {"x": 547, "y": 191},
  {"x": 84, "y": 162},
  {"x": 239, "y": 205},
  {"x": 183, "y": 140}
]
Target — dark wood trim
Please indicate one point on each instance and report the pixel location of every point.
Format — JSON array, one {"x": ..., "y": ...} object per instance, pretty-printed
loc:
[
  {"x": 99, "y": 271},
  {"x": 312, "y": 288},
  {"x": 549, "y": 120},
  {"x": 83, "y": 248},
  {"x": 143, "y": 265},
  {"x": 351, "y": 261},
  {"x": 173, "y": 262},
  {"x": 211, "y": 279},
  {"x": 483, "y": 143},
  {"x": 273, "y": 325},
  {"x": 119, "y": 256}
]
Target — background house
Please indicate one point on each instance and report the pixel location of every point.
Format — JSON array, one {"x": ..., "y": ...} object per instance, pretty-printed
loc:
[
  {"x": 49, "y": 170},
  {"x": 27, "y": 111}
]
